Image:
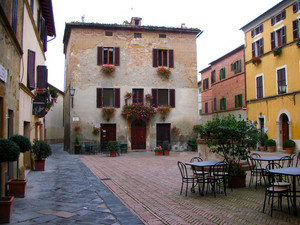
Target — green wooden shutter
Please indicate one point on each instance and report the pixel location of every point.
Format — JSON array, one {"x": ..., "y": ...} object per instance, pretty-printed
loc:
[
  {"x": 220, "y": 104},
  {"x": 234, "y": 67},
  {"x": 224, "y": 103},
  {"x": 240, "y": 65},
  {"x": 220, "y": 74},
  {"x": 241, "y": 100},
  {"x": 223, "y": 72},
  {"x": 235, "y": 101}
]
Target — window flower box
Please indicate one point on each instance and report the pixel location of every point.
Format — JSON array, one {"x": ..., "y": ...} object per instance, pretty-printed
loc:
[
  {"x": 276, "y": 51},
  {"x": 164, "y": 72},
  {"x": 138, "y": 111},
  {"x": 108, "y": 112},
  {"x": 164, "y": 111},
  {"x": 175, "y": 131},
  {"x": 108, "y": 69},
  {"x": 255, "y": 60}
]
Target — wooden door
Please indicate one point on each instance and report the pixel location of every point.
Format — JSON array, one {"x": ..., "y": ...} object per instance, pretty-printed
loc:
[
  {"x": 162, "y": 133},
  {"x": 108, "y": 133},
  {"x": 138, "y": 134},
  {"x": 285, "y": 128}
]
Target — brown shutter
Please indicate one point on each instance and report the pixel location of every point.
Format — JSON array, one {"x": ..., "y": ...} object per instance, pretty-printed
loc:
[
  {"x": 154, "y": 57},
  {"x": 295, "y": 29},
  {"x": 154, "y": 97},
  {"x": 253, "y": 49},
  {"x": 295, "y": 8},
  {"x": 42, "y": 77},
  {"x": 117, "y": 98},
  {"x": 283, "y": 31},
  {"x": 261, "y": 28},
  {"x": 171, "y": 58},
  {"x": 283, "y": 14},
  {"x": 252, "y": 33},
  {"x": 99, "y": 56},
  {"x": 117, "y": 56},
  {"x": 172, "y": 97},
  {"x": 272, "y": 40},
  {"x": 272, "y": 20},
  {"x": 31, "y": 70},
  {"x": 261, "y": 47},
  {"x": 99, "y": 97}
]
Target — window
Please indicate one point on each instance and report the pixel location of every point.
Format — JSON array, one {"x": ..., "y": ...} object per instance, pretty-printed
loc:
[
  {"x": 257, "y": 30},
  {"x": 163, "y": 57},
  {"x": 42, "y": 77},
  {"x": 296, "y": 29},
  {"x": 163, "y": 97},
  {"x": 238, "y": 101},
  {"x": 215, "y": 104},
  {"x": 258, "y": 48},
  {"x": 281, "y": 81},
  {"x": 162, "y": 35},
  {"x": 205, "y": 84},
  {"x": 236, "y": 66},
  {"x": 296, "y": 7},
  {"x": 108, "y": 55},
  {"x": 206, "y": 107},
  {"x": 108, "y": 33},
  {"x": 259, "y": 87},
  {"x": 138, "y": 96},
  {"x": 222, "y": 73},
  {"x": 31, "y": 70},
  {"x": 137, "y": 35},
  {"x": 108, "y": 97},
  {"x": 212, "y": 76},
  {"x": 222, "y": 103},
  {"x": 278, "y": 38},
  {"x": 278, "y": 18},
  {"x": 43, "y": 33}
]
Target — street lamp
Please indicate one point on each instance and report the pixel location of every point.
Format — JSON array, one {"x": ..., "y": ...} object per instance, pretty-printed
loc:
[{"x": 72, "y": 93}]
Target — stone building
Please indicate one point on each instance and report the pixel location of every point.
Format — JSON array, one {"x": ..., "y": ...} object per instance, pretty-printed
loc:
[
  {"x": 136, "y": 53},
  {"x": 223, "y": 86}
]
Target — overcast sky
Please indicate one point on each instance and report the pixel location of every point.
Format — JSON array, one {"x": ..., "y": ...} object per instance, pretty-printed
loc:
[{"x": 220, "y": 20}]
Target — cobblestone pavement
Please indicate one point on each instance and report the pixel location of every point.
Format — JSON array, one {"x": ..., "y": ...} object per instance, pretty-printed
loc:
[{"x": 150, "y": 186}]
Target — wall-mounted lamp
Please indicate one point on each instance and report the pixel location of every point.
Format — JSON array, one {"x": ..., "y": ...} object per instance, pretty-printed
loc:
[{"x": 72, "y": 93}]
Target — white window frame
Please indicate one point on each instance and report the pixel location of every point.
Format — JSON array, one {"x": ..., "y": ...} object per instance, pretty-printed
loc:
[
  {"x": 276, "y": 37},
  {"x": 286, "y": 81},
  {"x": 260, "y": 75},
  {"x": 256, "y": 41}
]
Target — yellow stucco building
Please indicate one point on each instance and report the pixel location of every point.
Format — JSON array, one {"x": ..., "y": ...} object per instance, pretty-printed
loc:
[{"x": 272, "y": 62}]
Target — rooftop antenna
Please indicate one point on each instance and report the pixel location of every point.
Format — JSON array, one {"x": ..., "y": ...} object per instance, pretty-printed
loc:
[{"x": 82, "y": 18}]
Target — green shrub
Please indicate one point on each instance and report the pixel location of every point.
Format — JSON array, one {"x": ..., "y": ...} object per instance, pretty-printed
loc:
[
  {"x": 289, "y": 143},
  {"x": 22, "y": 141},
  {"x": 113, "y": 146},
  {"x": 9, "y": 150},
  {"x": 270, "y": 142},
  {"x": 193, "y": 142},
  {"x": 41, "y": 149}
]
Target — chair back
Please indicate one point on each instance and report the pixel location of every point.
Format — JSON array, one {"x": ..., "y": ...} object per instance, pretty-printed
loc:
[
  {"x": 255, "y": 155},
  {"x": 295, "y": 159},
  {"x": 196, "y": 159},
  {"x": 220, "y": 169},
  {"x": 183, "y": 170},
  {"x": 269, "y": 178},
  {"x": 285, "y": 161},
  {"x": 256, "y": 164}
]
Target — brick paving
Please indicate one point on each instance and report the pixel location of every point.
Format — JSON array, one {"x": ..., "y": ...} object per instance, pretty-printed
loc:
[{"x": 150, "y": 187}]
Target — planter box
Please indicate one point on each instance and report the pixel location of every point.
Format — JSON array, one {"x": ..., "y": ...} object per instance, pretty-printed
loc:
[
  {"x": 166, "y": 152},
  {"x": 113, "y": 154},
  {"x": 39, "y": 165},
  {"x": 271, "y": 148},
  {"x": 17, "y": 188},
  {"x": 238, "y": 181},
  {"x": 159, "y": 153},
  {"x": 289, "y": 150},
  {"x": 6, "y": 208},
  {"x": 77, "y": 149}
]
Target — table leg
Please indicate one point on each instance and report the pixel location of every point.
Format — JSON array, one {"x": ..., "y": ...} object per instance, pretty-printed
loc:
[
  {"x": 294, "y": 196},
  {"x": 203, "y": 182}
]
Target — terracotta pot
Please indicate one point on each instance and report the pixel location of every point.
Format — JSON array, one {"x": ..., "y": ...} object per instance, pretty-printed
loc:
[
  {"x": 6, "y": 208},
  {"x": 159, "y": 153},
  {"x": 238, "y": 181},
  {"x": 77, "y": 149},
  {"x": 17, "y": 188},
  {"x": 39, "y": 165},
  {"x": 166, "y": 152},
  {"x": 289, "y": 150},
  {"x": 271, "y": 148},
  {"x": 262, "y": 148},
  {"x": 252, "y": 148},
  {"x": 113, "y": 154}
]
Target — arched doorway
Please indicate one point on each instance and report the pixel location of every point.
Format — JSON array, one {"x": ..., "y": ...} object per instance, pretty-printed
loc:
[
  {"x": 285, "y": 127},
  {"x": 138, "y": 134}
]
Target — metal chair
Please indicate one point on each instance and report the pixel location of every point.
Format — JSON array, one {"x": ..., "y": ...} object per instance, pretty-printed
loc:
[
  {"x": 217, "y": 178},
  {"x": 255, "y": 169},
  {"x": 272, "y": 190},
  {"x": 186, "y": 179}
]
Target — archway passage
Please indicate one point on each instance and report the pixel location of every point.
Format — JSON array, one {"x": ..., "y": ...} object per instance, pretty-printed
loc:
[
  {"x": 138, "y": 134},
  {"x": 285, "y": 127}
]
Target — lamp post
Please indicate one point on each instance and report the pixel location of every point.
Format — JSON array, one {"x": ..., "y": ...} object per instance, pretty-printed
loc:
[{"x": 72, "y": 93}]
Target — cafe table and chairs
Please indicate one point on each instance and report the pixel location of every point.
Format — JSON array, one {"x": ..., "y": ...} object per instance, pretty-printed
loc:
[
  {"x": 293, "y": 172},
  {"x": 273, "y": 159}
]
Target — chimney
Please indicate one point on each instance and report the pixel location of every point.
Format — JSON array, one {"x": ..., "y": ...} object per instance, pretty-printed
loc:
[
  {"x": 183, "y": 25},
  {"x": 136, "y": 21}
]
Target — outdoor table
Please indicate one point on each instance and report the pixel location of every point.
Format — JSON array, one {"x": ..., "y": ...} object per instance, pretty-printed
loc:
[
  {"x": 202, "y": 165},
  {"x": 290, "y": 171},
  {"x": 270, "y": 159}
]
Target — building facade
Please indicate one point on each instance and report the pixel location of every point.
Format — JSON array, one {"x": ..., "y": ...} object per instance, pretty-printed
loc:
[
  {"x": 223, "y": 86},
  {"x": 272, "y": 71},
  {"x": 199, "y": 101},
  {"x": 136, "y": 53}
]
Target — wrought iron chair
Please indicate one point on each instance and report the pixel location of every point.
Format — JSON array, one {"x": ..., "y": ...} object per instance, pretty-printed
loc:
[
  {"x": 256, "y": 169},
  {"x": 274, "y": 189},
  {"x": 186, "y": 179},
  {"x": 217, "y": 179}
]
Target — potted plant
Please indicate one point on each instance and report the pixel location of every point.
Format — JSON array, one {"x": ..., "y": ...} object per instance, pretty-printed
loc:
[
  {"x": 255, "y": 60},
  {"x": 271, "y": 144},
  {"x": 9, "y": 151},
  {"x": 17, "y": 186},
  {"x": 108, "y": 112},
  {"x": 289, "y": 146},
  {"x": 113, "y": 147},
  {"x": 138, "y": 111},
  {"x": 77, "y": 146},
  {"x": 96, "y": 131},
  {"x": 262, "y": 137},
  {"x": 158, "y": 150},
  {"x": 276, "y": 51},
  {"x": 108, "y": 69},
  {"x": 166, "y": 147},
  {"x": 164, "y": 71},
  {"x": 164, "y": 111},
  {"x": 175, "y": 131},
  {"x": 237, "y": 174},
  {"x": 192, "y": 142},
  {"x": 41, "y": 151},
  {"x": 148, "y": 98},
  {"x": 230, "y": 137}
]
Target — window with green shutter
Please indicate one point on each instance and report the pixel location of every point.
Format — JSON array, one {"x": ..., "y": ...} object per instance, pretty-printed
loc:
[
  {"x": 222, "y": 103},
  {"x": 238, "y": 100}
]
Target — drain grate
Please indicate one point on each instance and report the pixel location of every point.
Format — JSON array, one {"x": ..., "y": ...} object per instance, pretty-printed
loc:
[{"x": 105, "y": 179}]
